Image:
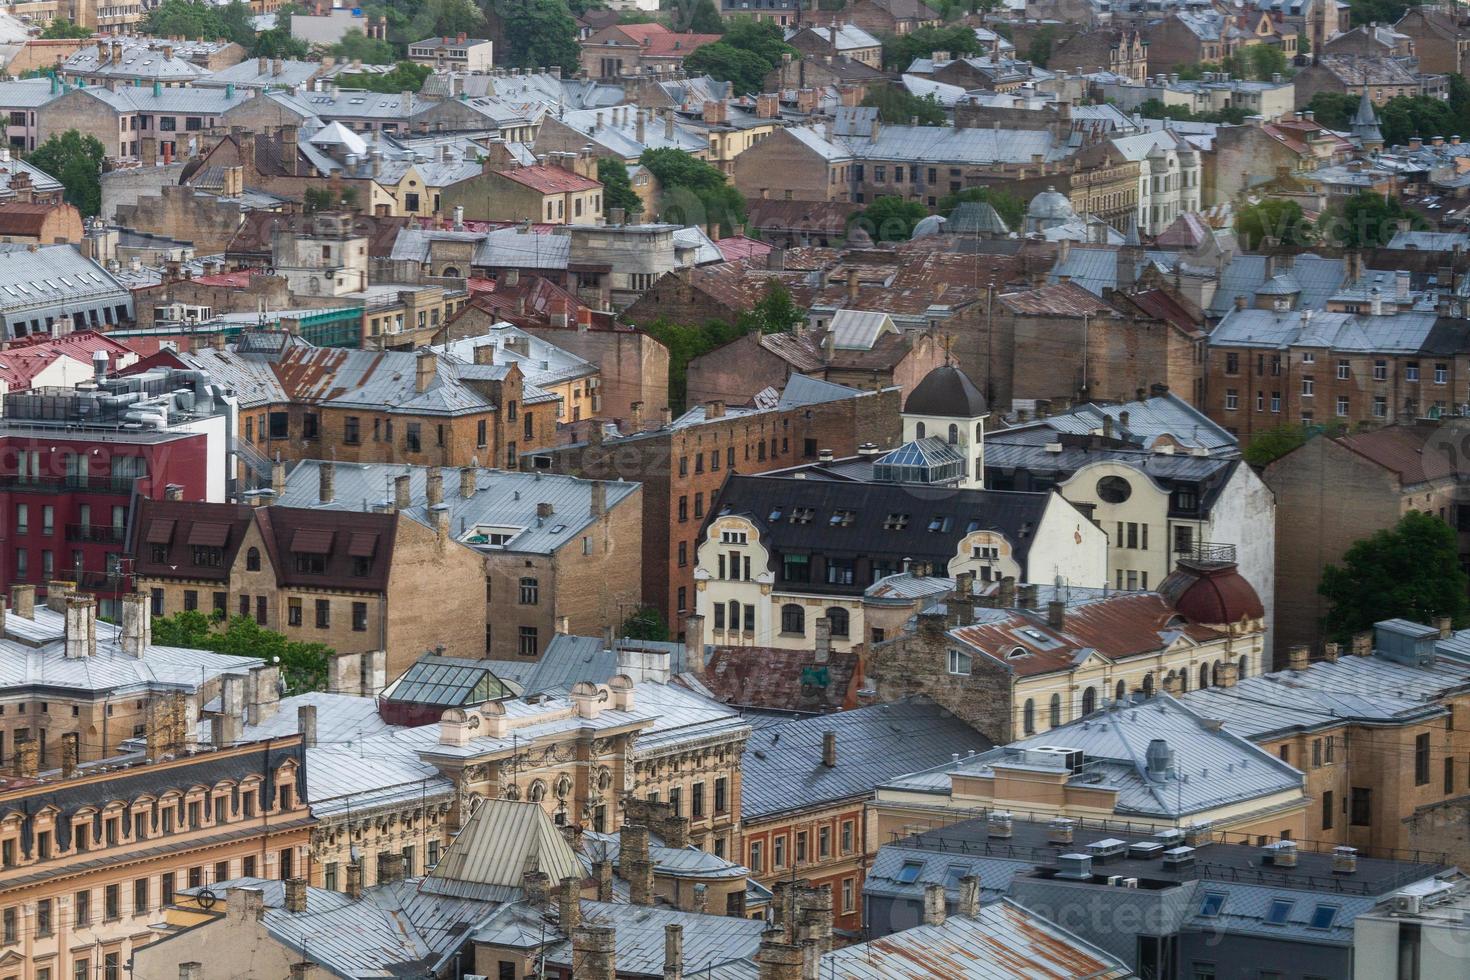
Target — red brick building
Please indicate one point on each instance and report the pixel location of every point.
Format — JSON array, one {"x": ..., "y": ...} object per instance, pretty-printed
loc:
[{"x": 683, "y": 464}]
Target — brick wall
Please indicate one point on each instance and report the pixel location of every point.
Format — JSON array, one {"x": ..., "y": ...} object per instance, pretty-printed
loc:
[{"x": 632, "y": 366}]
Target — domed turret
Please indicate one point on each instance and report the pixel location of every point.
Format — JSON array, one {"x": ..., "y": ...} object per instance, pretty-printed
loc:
[
  {"x": 1211, "y": 593},
  {"x": 1048, "y": 209}
]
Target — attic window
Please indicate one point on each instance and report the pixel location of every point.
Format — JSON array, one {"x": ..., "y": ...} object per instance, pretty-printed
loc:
[
  {"x": 909, "y": 873},
  {"x": 1212, "y": 904},
  {"x": 895, "y": 522},
  {"x": 941, "y": 523},
  {"x": 802, "y": 515},
  {"x": 1280, "y": 908},
  {"x": 1017, "y": 652},
  {"x": 1323, "y": 916},
  {"x": 775, "y": 515},
  {"x": 842, "y": 518}
]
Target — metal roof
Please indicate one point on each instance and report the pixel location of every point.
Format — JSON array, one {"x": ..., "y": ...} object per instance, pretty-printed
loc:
[
  {"x": 447, "y": 682},
  {"x": 503, "y": 500},
  {"x": 1003, "y": 942},
  {"x": 569, "y": 659},
  {"x": 502, "y": 841},
  {"x": 1398, "y": 333},
  {"x": 783, "y": 768}
]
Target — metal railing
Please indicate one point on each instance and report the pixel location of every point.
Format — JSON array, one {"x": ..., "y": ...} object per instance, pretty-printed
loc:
[
  {"x": 96, "y": 533},
  {"x": 93, "y": 484}
]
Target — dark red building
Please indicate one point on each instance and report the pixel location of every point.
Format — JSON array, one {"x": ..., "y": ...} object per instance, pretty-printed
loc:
[{"x": 74, "y": 461}]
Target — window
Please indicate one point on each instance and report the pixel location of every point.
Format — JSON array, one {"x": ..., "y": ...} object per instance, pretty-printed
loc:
[
  {"x": 796, "y": 568},
  {"x": 959, "y": 663},
  {"x": 1327, "y": 814},
  {"x": 280, "y": 425},
  {"x": 252, "y": 560},
  {"x": 1344, "y": 371},
  {"x": 191, "y": 600},
  {"x": 1307, "y": 386},
  {"x": 1342, "y": 404},
  {"x": 909, "y": 873},
  {"x": 839, "y": 571},
  {"x": 1211, "y": 905},
  {"x": 722, "y": 802},
  {"x": 895, "y": 522},
  {"x": 757, "y": 856},
  {"x": 412, "y": 440},
  {"x": 293, "y": 612},
  {"x": 1441, "y": 374},
  {"x": 1278, "y": 910},
  {"x": 140, "y": 896},
  {"x": 83, "y": 906},
  {"x": 1380, "y": 370},
  {"x": 43, "y": 917},
  {"x": 1232, "y": 399},
  {"x": 1028, "y": 716},
  {"x": 528, "y": 641},
  {"x": 1449, "y": 775},
  {"x": 530, "y": 591},
  {"x": 1421, "y": 759},
  {"x": 847, "y": 886},
  {"x": 1232, "y": 363},
  {"x": 352, "y": 430},
  {"x": 359, "y": 617},
  {"x": 323, "y": 614},
  {"x": 837, "y": 618},
  {"x": 1380, "y": 407},
  {"x": 1361, "y": 814},
  {"x": 848, "y": 830},
  {"x": 1323, "y": 917},
  {"x": 793, "y": 618},
  {"x": 309, "y": 563}
]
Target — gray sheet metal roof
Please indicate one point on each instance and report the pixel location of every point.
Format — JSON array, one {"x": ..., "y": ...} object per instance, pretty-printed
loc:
[
  {"x": 1398, "y": 333},
  {"x": 709, "y": 940},
  {"x": 783, "y": 767},
  {"x": 1215, "y": 768},
  {"x": 502, "y": 841},
  {"x": 26, "y": 93},
  {"x": 51, "y": 275},
  {"x": 1003, "y": 942},
  {"x": 622, "y": 139},
  {"x": 569, "y": 659},
  {"x": 503, "y": 499}
]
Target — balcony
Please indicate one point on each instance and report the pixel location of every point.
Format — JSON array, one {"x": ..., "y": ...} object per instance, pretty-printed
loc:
[
  {"x": 1210, "y": 553},
  {"x": 68, "y": 484},
  {"x": 95, "y": 533}
]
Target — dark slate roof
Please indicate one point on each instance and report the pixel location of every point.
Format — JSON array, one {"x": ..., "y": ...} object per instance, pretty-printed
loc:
[
  {"x": 783, "y": 769},
  {"x": 946, "y": 391},
  {"x": 770, "y": 502},
  {"x": 170, "y": 523}
]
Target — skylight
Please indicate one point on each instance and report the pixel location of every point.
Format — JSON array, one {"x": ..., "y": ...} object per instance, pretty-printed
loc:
[
  {"x": 1279, "y": 910},
  {"x": 909, "y": 873},
  {"x": 1212, "y": 904},
  {"x": 1323, "y": 916}
]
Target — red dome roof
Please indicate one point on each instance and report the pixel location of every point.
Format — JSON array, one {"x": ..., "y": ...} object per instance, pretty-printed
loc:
[{"x": 1212, "y": 593}]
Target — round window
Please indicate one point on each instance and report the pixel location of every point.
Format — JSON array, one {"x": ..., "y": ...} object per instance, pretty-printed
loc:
[{"x": 1114, "y": 489}]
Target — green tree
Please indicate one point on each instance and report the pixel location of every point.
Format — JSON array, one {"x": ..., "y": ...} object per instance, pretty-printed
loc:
[
  {"x": 1156, "y": 109},
  {"x": 1365, "y": 220},
  {"x": 303, "y": 665},
  {"x": 891, "y": 219},
  {"x": 1269, "y": 446},
  {"x": 76, "y": 161},
  {"x": 1264, "y": 60},
  {"x": 539, "y": 34},
  {"x": 62, "y": 29},
  {"x": 764, "y": 38},
  {"x": 684, "y": 342},
  {"x": 332, "y": 197},
  {"x": 449, "y": 18},
  {"x": 1405, "y": 116},
  {"x": 693, "y": 192},
  {"x": 898, "y": 107},
  {"x": 1378, "y": 11},
  {"x": 184, "y": 18},
  {"x": 1409, "y": 571},
  {"x": 775, "y": 312},
  {"x": 1012, "y": 209},
  {"x": 405, "y": 77},
  {"x": 617, "y": 190},
  {"x": 1038, "y": 52},
  {"x": 900, "y": 50},
  {"x": 1272, "y": 218},
  {"x": 703, "y": 18},
  {"x": 1333, "y": 109},
  {"x": 357, "y": 46},
  {"x": 278, "y": 42},
  {"x": 746, "y": 71},
  {"x": 645, "y": 624}
]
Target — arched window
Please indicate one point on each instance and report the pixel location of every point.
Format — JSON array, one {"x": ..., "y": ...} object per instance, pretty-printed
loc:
[
  {"x": 918, "y": 430},
  {"x": 1121, "y": 692},
  {"x": 537, "y": 792},
  {"x": 450, "y": 272},
  {"x": 1056, "y": 710},
  {"x": 1028, "y": 717},
  {"x": 1204, "y": 675},
  {"x": 838, "y": 619},
  {"x": 1244, "y": 666},
  {"x": 793, "y": 618},
  {"x": 734, "y": 618},
  {"x": 979, "y": 431},
  {"x": 1089, "y": 700},
  {"x": 1184, "y": 681},
  {"x": 252, "y": 560},
  {"x": 1148, "y": 685},
  {"x": 954, "y": 434}
]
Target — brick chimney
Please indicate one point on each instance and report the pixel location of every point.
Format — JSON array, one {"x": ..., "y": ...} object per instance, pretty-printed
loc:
[
  {"x": 599, "y": 499},
  {"x": 81, "y": 626},
  {"x": 229, "y": 724},
  {"x": 537, "y": 886},
  {"x": 137, "y": 624},
  {"x": 778, "y": 959},
  {"x": 390, "y": 867},
  {"x": 306, "y": 724},
  {"x": 1227, "y": 673},
  {"x": 593, "y": 950},
  {"x": 56, "y": 592},
  {"x": 1445, "y": 625},
  {"x": 326, "y": 482},
  {"x": 23, "y": 601},
  {"x": 829, "y": 749},
  {"x": 467, "y": 476},
  {"x": 634, "y": 863},
  {"x": 694, "y": 643},
  {"x": 934, "y": 907},
  {"x": 28, "y": 758},
  {"x": 354, "y": 879},
  {"x": 425, "y": 367},
  {"x": 434, "y": 486},
  {"x": 602, "y": 870},
  {"x": 71, "y": 743},
  {"x": 401, "y": 499},
  {"x": 1362, "y": 643},
  {"x": 296, "y": 895},
  {"x": 1298, "y": 657},
  {"x": 569, "y": 905},
  {"x": 673, "y": 951},
  {"x": 1056, "y": 614},
  {"x": 969, "y": 905}
]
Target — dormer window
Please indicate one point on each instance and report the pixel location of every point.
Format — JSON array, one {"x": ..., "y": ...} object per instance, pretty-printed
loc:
[{"x": 310, "y": 563}]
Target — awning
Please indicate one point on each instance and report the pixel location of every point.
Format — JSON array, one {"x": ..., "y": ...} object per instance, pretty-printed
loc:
[
  {"x": 160, "y": 531},
  {"x": 311, "y": 541},
  {"x": 209, "y": 535},
  {"x": 362, "y": 544}
]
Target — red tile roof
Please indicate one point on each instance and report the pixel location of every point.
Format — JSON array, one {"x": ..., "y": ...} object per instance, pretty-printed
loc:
[
  {"x": 550, "y": 180},
  {"x": 740, "y": 247},
  {"x": 658, "y": 41},
  {"x": 1125, "y": 625}
]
